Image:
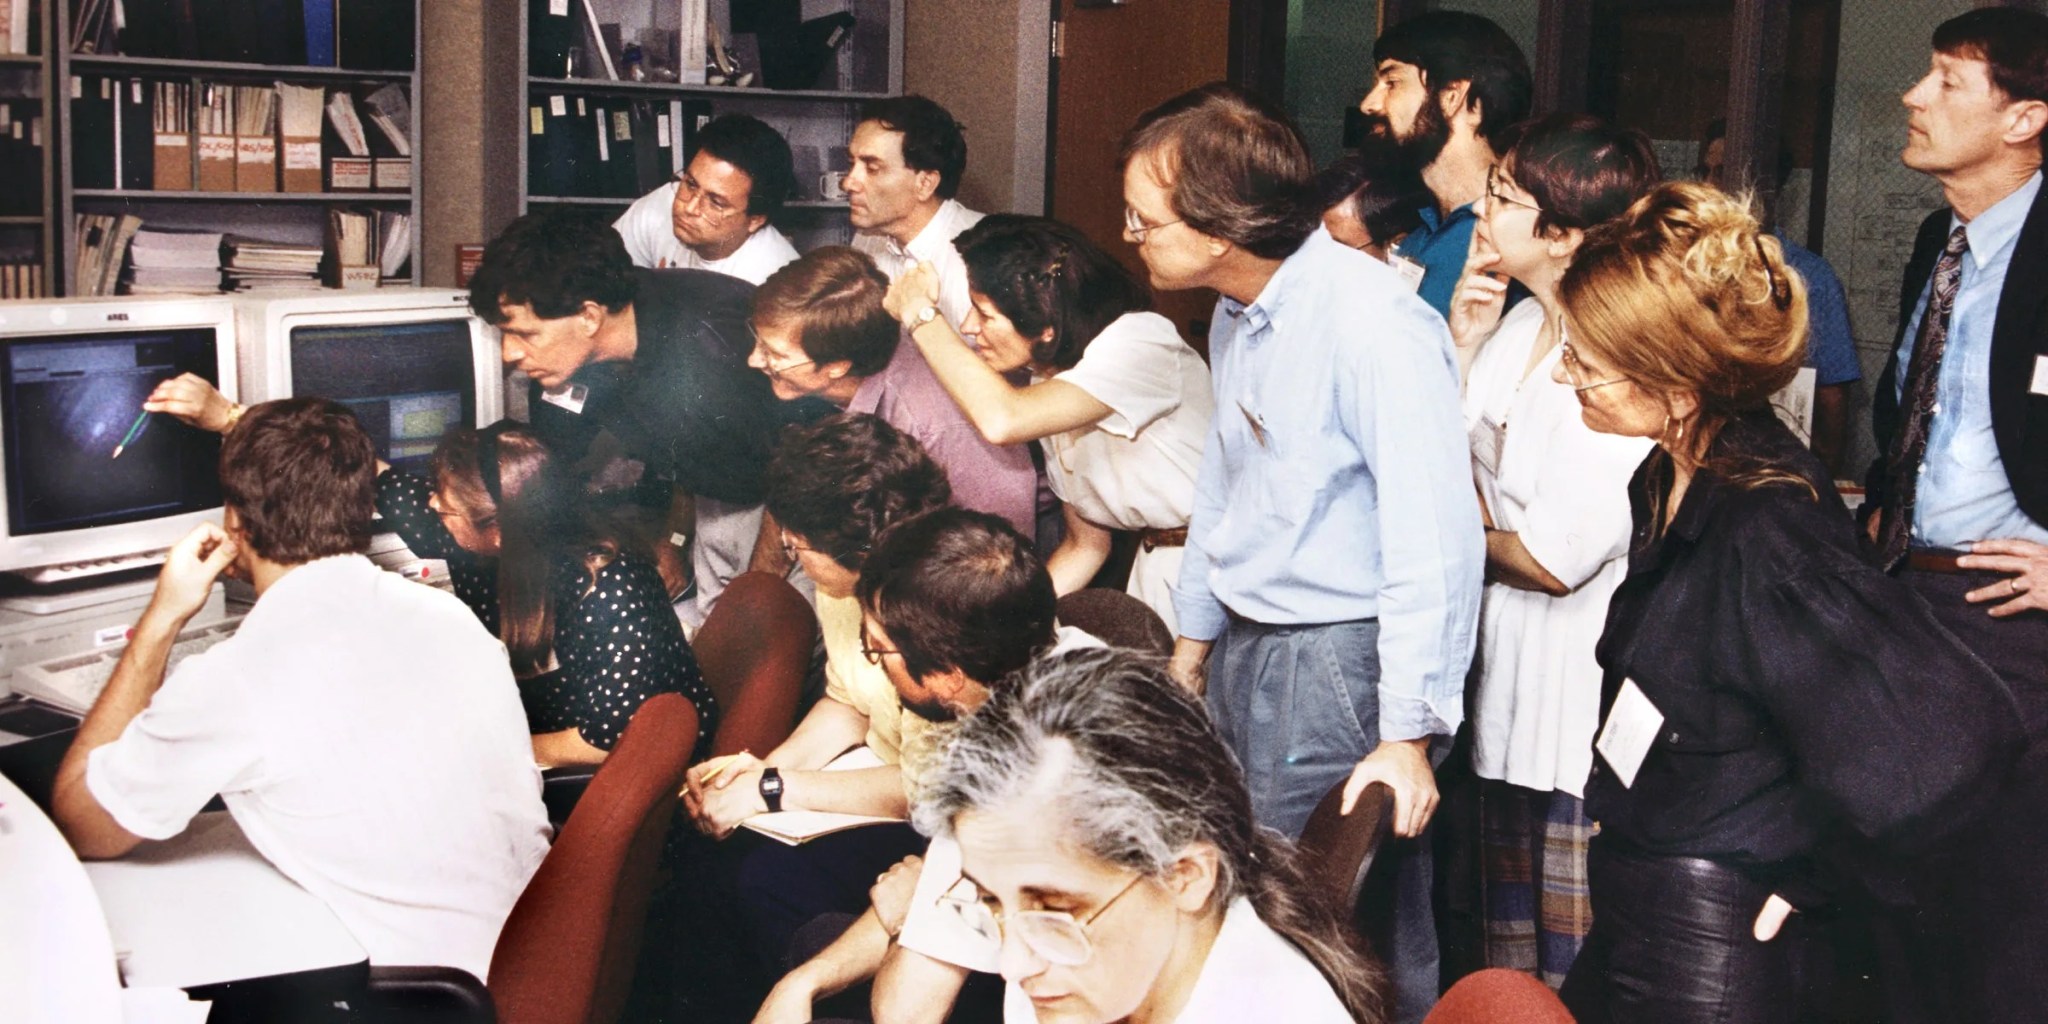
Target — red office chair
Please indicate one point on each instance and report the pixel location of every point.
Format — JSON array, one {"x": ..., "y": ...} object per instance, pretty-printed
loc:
[
  {"x": 755, "y": 649},
  {"x": 567, "y": 952},
  {"x": 1498, "y": 995}
]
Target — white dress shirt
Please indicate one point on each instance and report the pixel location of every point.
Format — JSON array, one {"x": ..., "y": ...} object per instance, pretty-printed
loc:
[
  {"x": 1135, "y": 469},
  {"x": 366, "y": 734},
  {"x": 932, "y": 245},
  {"x": 1563, "y": 489},
  {"x": 648, "y": 228},
  {"x": 1251, "y": 974}
]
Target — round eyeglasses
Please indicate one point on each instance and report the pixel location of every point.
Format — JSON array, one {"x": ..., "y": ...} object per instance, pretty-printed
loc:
[{"x": 1054, "y": 936}]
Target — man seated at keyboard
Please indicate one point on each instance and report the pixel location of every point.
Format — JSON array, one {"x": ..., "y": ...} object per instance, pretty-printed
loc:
[{"x": 364, "y": 731}]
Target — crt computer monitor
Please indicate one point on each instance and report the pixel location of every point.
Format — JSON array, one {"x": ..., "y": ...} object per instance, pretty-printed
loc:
[
  {"x": 412, "y": 362},
  {"x": 73, "y": 375}
]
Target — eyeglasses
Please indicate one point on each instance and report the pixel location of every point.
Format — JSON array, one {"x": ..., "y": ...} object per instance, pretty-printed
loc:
[
  {"x": 1493, "y": 193},
  {"x": 716, "y": 207},
  {"x": 1138, "y": 229},
  {"x": 1575, "y": 371},
  {"x": 1054, "y": 936},
  {"x": 441, "y": 509},
  {"x": 867, "y": 647},
  {"x": 773, "y": 371}
]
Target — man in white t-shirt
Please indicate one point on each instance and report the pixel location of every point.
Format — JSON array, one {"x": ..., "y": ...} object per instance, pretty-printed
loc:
[
  {"x": 952, "y": 603},
  {"x": 364, "y": 731},
  {"x": 908, "y": 156},
  {"x": 714, "y": 215}
]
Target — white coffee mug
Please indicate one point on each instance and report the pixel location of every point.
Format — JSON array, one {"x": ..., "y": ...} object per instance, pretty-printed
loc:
[{"x": 828, "y": 185}]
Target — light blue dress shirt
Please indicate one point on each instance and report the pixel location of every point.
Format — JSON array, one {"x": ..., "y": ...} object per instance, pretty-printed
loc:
[
  {"x": 1963, "y": 495},
  {"x": 1336, "y": 482}
]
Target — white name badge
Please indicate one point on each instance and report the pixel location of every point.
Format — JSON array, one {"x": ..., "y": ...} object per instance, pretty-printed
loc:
[
  {"x": 2040, "y": 384},
  {"x": 1487, "y": 438},
  {"x": 1631, "y": 728},
  {"x": 568, "y": 396},
  {"x": 1411, "y": 271}
]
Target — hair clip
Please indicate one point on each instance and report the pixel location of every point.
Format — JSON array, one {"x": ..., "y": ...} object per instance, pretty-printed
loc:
[{"x": 1781, "y": 290}]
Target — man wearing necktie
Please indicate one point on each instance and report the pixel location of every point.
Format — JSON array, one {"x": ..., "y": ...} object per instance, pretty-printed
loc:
[{"x": 1960, "y": 490}]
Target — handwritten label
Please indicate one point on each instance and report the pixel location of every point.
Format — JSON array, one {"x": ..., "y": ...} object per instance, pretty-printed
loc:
[
  {"x": 302, "y": 156},
  {"x": 256, "y": 151},
  {"x": 172, "y": 139},
  {"x": 216, "y": 147}
]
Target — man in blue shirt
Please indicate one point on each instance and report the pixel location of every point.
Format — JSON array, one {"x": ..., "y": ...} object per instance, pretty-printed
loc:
[
  {"x": 1961, "y": 491},
  {"x": 1446, "y": 86},
  {"x": 1331, "y": 581}
]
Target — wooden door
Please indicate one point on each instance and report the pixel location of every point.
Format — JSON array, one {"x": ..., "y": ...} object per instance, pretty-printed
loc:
[{"x": 1117, "y": 63}]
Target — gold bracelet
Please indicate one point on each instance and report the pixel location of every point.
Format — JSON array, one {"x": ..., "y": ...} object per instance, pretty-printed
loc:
[{"x": 234, "y": 417}]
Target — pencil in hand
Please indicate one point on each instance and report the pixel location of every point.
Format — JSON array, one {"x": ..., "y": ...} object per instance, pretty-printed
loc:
[{"x": 134, "y": 431}]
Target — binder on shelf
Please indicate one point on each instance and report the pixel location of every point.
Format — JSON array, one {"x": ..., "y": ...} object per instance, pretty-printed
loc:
[
  {"x": 349, "y": 170},
  {"x": 171, "y": 118},
  {"x": 550, "y": 31},
  {"x": 21, "y": 156},
  {"x": 374, "y": 35},
  {"x": 216, "y": 138},
  {"x": 255, "y": 138},
  {"x": 388, "y": 109},
  {"x": 92, "y": 132},
  {"x": 554, "y": 153},
  {"x": 135, "y": 135},
  {"x": 299, "y": 112},
  {"x": 391, "y": 173},
  {"x": 319, "y": 15}
]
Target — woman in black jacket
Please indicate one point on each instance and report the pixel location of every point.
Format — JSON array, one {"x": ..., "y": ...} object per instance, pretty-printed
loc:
[{"x": 1773, "y": 709}]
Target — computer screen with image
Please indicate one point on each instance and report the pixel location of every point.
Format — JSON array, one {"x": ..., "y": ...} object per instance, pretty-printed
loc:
[
  {"x": 79, "y": 450},
  {"x": 410, "y": 383}
]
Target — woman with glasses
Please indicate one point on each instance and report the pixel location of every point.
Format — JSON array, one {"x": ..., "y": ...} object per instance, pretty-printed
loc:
[
  {"x": 588, "y": 626},
  {"x": 1775, "y": 711},
  {"x": 1107, "y": 844},
  {"x": 1117, "y": 401},
  {"x": 1554, "y": 497}
]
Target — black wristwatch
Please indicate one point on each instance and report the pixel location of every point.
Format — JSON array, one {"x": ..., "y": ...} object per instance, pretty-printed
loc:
[{"x": 771, "y": 788}]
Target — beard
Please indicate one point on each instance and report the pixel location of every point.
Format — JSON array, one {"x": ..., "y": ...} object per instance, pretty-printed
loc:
[{"x": 1426, "y": 137}]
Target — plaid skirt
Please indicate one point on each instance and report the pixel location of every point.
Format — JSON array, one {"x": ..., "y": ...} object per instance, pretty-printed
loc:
[{"x": 1533, "y": 878}]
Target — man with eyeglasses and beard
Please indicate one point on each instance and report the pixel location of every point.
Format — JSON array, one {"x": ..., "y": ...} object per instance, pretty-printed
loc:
[{"x": 1446, "y": 86}]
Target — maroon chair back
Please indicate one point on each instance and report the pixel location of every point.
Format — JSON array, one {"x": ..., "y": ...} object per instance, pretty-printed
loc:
[
  {"x": 1498, "y": 995},
  {"x": 755, "y": 648},
  {"x": 1117, "y": 619},
  {"x": 1338, "y": 848},
  {"x": 568, "y": 950}
]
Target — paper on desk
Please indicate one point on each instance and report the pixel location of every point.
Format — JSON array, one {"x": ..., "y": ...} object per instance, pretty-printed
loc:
[{"x": 162, "y": 1006}]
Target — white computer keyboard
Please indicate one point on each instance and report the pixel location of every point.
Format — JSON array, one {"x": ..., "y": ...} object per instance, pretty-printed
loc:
[{"x": 74, "y": 682}]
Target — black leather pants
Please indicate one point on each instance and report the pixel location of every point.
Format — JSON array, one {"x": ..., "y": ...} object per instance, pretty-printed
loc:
[{"x": 1672, "y": 943}]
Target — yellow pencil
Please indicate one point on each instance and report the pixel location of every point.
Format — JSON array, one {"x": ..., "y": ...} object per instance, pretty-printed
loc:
[{"x": 722, "y": 763}]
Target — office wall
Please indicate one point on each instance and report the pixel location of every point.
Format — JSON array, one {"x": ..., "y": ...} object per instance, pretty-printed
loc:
[
  {"x": 471, "y": 82},
  {"x": 987, "y": 62}
]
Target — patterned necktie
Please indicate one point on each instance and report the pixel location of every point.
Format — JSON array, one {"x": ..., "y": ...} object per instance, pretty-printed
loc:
[{"x": 1902, "y": 467}]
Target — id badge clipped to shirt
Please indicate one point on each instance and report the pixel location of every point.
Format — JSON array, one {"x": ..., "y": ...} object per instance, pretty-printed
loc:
[
  {"x": 1487, "y": 438},
  {"x": 568, "y": 396},
  {"x": 1630, "y": 730},
  {"x": 1410, "y": 270}
]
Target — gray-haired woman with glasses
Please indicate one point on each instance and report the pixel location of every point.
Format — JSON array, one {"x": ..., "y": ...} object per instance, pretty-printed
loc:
[{"x": 1107, "y": 844}]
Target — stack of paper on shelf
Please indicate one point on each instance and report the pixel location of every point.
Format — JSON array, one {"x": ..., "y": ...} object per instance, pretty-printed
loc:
[
  {"x": 167, "y": 262},
  {"x": 254, "y": 264}
]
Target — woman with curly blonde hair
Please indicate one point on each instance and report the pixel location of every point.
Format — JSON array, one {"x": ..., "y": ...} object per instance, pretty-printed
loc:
[{"x": 1768, "y": 699}]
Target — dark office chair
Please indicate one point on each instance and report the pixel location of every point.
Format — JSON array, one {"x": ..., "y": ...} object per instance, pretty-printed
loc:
[
  {"x": 755, "y": 648},
  {"x": 568, "y": 949},
  {"x": 1117, "y": 619},
  {"x": 1338, "y": 851}
]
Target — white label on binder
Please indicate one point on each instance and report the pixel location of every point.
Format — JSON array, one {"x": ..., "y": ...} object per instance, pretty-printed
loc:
[
  {"x": 558, "y": 8},
  {"x": 255, "y": 151},
  {"x": 301, "y": 156},
  {"x": 77, "y": 87},
  {"x": 6, "y": 116},
  {"x": 2040, "y": 384},
  {"x": 135, "y": 91},
  {"x": 216, "y": 147},
  {"x": 1631, "y": 728},
  {"x": 558, "y": 106},
  {"x": 661, "y": 131},
  {"x": 604, "y": 142},
  {"x": 171, "y": 139},
  {"x": 106, "y": 88},
  {"x": 539, "y": 121},
  {"x": 622, "y": 126},
  {"x": 581, "y": 109},
  {"x": 35, "y": 131}
]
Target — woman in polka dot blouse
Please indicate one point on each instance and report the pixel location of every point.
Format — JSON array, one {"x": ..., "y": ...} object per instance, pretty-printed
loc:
[{"x": 589, "y": 627}]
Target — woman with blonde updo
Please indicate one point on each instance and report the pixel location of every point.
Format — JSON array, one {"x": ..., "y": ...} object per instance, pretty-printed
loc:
[{"x": 1768, "y": 700}]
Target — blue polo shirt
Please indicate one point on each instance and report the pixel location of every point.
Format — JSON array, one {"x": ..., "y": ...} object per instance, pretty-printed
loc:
[{"x": 1440, "y": 245}]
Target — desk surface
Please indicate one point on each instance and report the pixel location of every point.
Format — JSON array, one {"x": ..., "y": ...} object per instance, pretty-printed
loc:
[
  {"x": 205, "y": 907},
  {"x": 58, "y": 963}
]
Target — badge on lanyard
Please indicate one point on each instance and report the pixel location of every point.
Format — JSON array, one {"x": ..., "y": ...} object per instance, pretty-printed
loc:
[{"x": 568, "y": 396}]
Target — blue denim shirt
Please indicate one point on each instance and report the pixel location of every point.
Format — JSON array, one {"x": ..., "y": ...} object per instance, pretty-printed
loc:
[
  {"x": 1336, "y": 482},
  {"x": 1963, "y": 495}
]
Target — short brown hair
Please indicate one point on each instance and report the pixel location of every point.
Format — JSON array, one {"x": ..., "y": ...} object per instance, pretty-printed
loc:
[
  {"x": 2011, "y": 41},
  {"x": 1581, "y": 170},
  {"x": 1238, "y": 168},
  {"x": 833, "y": 296},
  {"x": 839, "y": 482},
  {"x": 301, "y": 475}
]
